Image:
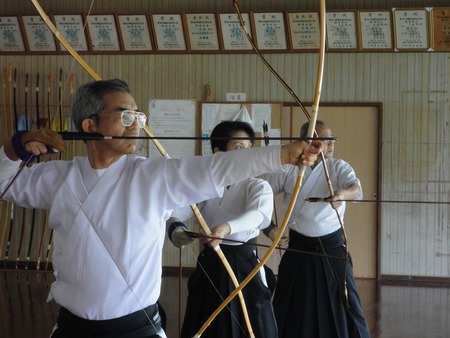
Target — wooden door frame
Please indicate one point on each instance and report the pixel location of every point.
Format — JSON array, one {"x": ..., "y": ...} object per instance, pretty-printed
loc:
[{"x": 379, "y": 107}]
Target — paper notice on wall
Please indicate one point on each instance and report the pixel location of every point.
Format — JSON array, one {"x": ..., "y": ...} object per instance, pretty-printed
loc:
[{"x": 173, "y": 118}]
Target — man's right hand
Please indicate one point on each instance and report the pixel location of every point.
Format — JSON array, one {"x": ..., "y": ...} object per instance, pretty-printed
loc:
[{"x": 300, "y": 152}]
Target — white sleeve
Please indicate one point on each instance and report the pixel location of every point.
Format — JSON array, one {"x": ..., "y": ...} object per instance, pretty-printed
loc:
[
  {"x": 259, "y": 209},
  {"x": 8, "y": 168},
  {"x": 234, "y": 166},
  {"x": 346, "y": 176},
  {"x": 247, "y": 221}
]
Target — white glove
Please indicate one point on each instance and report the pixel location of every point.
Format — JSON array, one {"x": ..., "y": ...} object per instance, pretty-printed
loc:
[
  {"x": 272, "y": 231},
  {"x": 178, "y": 236},
  {"x": 284, "y": 240}
]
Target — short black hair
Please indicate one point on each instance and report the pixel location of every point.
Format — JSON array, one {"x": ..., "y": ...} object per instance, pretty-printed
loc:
[{"x": 224, "y": 131}]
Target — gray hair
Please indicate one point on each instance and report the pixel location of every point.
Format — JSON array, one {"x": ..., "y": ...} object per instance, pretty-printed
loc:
[{"x": 88, "y": 99}]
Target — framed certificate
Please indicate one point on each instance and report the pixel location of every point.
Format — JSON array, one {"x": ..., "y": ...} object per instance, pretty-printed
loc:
[
  {"x": 72, "y": 29},
  {"x": 169, "y": 32},
  {"x": 342, "y": 31},
  {"x": 440, "y": 28},
  {"x": 135, "y": 33},
  {"x": 103, "y": 33},
  {"x": 375, "y": 30},
  {"x": 304, "y": 30},
  {"x": 270, "y": 31},
  {"x": 411, "y": 29},
  {"x": 202, "y": 32},
  {"x": 39, "y": 37},
  {"x": 12, "y": 39},
  {"x": 233, "y": 36}
]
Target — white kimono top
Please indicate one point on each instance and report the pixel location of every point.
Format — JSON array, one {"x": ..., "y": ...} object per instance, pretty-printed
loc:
[
  {"x": 314, "y": 218},
  {"x": 246, "y": 206},
  {"x": 109, "y": 230}
]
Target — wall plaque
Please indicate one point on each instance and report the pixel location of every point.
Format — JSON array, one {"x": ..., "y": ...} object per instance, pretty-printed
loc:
[
  {"x": 440, "y": 24},
  {"x": 39, "y": 37},
  {"x": 233, "y": 36},
  {"x": 270, "y": 31},
  {"x": 169, "y": 32},
  {"x": 12, "y": 40},
  {"x": 341, "y": 31},
  {"x": 411, "y": 29},
  {"x": 71, "y": 28},
  {"x": 202, "y": 31},
  {"x": 375, "y": 28},
  {"x": 304, "y": 30},
  {"x": 135, "y": 33},
  {"x": 103, "y": 33}
]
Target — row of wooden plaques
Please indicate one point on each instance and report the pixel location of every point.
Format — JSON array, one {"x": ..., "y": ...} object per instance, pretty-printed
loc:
[{"x": 418, "y": 29}]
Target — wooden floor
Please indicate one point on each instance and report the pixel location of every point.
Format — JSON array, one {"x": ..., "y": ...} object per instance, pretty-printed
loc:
[{"x": 392, "y": 310}]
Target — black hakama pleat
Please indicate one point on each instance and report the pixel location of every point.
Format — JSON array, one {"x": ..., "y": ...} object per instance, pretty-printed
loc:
[
  {"x": 208, "y": 290},
  {"x": 309, "y": 300}
]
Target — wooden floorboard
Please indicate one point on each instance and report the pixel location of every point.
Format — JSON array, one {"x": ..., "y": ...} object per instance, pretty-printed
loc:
[{"x": 393, "y": 310}]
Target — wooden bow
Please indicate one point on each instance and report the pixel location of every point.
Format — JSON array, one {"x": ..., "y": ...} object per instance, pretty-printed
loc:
[
  {"x": 160, "y": 148},
  {"x": 301, "y": 172}
]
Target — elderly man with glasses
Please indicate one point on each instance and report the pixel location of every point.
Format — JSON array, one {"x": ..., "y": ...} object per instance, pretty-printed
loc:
[{"x": 108, "y": 209}]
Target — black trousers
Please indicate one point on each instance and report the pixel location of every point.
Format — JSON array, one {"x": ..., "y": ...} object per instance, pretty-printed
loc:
[
  {"x": 210, "y": 284},
  {"x": 134, "y": 325},
  {"x": 309, "y": 298}
]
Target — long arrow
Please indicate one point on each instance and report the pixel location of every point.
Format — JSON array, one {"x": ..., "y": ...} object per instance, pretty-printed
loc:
[
  {"x": 66, "y": 135},
  {"x": 193, "y": 234},
  {"x": 323, "y": 199}
]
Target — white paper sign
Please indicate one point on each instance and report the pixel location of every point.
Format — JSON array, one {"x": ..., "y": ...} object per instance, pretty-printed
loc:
[{"x": 173, "y": 118}]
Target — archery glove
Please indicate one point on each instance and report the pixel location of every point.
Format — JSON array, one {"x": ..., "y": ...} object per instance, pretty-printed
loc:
[
  {"x": 50, "y": 138},
  {"x": 272, "y": 231},
  {"x": 178, "y": 236}
]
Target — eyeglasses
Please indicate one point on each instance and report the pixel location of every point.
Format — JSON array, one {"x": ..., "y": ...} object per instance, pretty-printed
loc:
[{"x": 127, "y": 118}]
